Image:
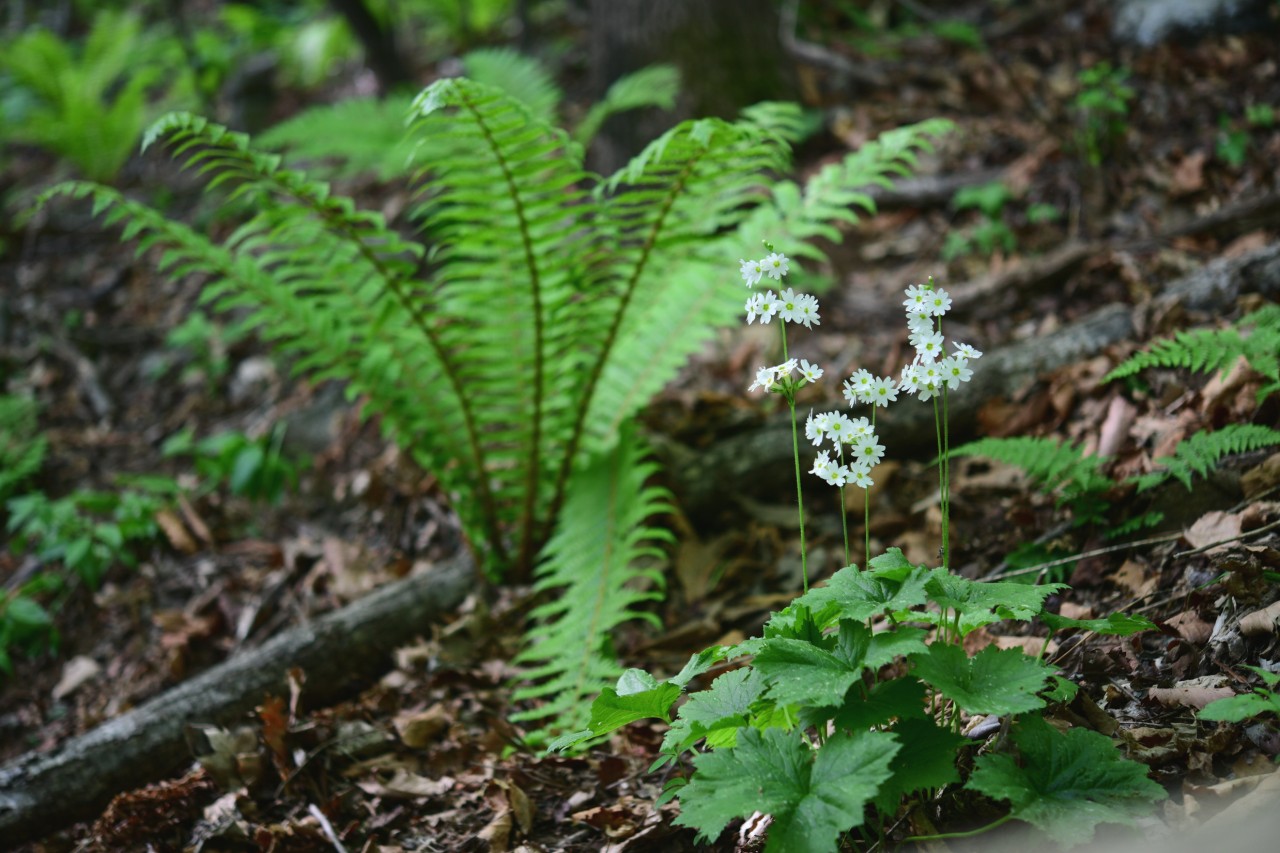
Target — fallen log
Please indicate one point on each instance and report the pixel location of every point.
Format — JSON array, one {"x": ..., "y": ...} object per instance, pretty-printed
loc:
[
  {"x": 43, "y": 792},
  {"x": 756, "y": 463}
]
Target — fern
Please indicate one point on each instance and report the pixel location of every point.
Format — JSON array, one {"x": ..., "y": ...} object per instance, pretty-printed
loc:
[
  {"x": 601, "y": 546},
  {"x": 655, "y": 86},
  {"x": 1047, "y": 463},
  {"x": 553, "y": 304},
  {"x": 1197, "y": 453},
  {"x": 21, "y": 448},
  {"x": 1207, "y": 350}
]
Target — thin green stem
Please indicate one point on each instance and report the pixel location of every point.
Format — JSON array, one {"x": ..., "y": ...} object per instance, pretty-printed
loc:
[
  {"x": 844, "y": 526},
  {"x": 942, "y": 481},
  {"x": 795, "y": 455},
  {"x": 967, "y": 834}
]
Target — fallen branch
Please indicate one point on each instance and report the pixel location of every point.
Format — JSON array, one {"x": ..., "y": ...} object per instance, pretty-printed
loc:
[
  {"x": 756, "y": 464},
  {"x": 40, "y": 793}
]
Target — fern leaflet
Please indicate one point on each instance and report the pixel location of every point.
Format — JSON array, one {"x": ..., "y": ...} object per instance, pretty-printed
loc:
[
  {"x": 1197, "y": 453},
  {"x": 590, "y": 566},
  {"x": 1207, "y": 350},
  {"x": 1048, "y": 463}
]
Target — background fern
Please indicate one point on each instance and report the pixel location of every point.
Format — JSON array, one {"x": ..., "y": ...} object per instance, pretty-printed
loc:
[
  {"x": 551, "y": 306},
  {"x": 1199, "y": 452},
  {"x": 22, "y": 448},
  {"x": 1256, "y": 337},
  {"x": 1047, "y": 463}
]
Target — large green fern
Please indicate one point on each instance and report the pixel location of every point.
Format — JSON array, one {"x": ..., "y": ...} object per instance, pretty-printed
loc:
[
  {"x": 22, "y": 448},
  {"x": 551, "y": 306},
  {"x": 1256, "y": 337},
  {"x": 1199, "y": 452},
  {"x": 592, "y": 564},
  {"x": 1049, "y": 464}
]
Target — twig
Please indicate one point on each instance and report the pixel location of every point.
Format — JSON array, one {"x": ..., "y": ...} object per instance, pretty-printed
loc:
[
  {"x": 327, "y": 827},
  {"x": 1239, "y": 538}
]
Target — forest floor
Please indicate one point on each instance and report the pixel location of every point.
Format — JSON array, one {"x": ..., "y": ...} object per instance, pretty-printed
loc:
[{"x": 1179, "y": 183}]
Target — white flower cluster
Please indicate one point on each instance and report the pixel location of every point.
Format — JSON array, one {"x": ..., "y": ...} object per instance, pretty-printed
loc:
[
  {"x": 770, "y": 377},
  {"x": 865, "y": 449},
  {"x": 932, "y": 369},
  {"x": 790, "y": 306}
]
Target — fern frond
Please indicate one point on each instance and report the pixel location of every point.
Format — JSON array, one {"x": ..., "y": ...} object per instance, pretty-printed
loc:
[
  {"x": 1046, "y": 462},
  {"x": 795, "y": 215},
  {"x": 514, "y": 225},
  {"x": 22, "y": 448},
  {"x": 1199, "y": 452},
  {"x": 655, "y": 86},
  {"x": 787, "y": 120},
  {"x": 521, "y": 77},
  {"x": 1207, "y": 350},
  {"x": 604, "y": 540},
  {"x": 353, "y": 136}
]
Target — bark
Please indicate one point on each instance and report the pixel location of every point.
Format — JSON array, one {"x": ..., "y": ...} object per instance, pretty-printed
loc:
[
  {"x": 756, "y": 464},
  {"x": 339, "y": 652},
  {"x": 728, "y": 51},
  {"x": 379, "y": 43}
]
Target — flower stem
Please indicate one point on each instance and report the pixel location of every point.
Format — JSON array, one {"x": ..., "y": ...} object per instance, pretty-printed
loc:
[
  {"x": 966, "y": 834},
  {"x": 795, "y": 455}
]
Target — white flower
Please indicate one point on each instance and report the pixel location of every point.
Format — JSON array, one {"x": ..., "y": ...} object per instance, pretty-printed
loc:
[
  {"x": 808, "y": 311},
  {"x": 820, "y": 463},
  {"x": 834, "y": 473},
  {"x": 928, "y": 346},
  {"x": 809, "y": 372},
  {"x": 775, "y": 266},
  {"x": 883, "y": 391},
  {"x": 815, "y": 427},
  {"x": 867, "y": 451},
  {"x": 938, "y": 301},
  {"x": 917, "y": 296},
  {"x": 920, "y": 320},
  {"x": 764, "y": 379},
  {"x": 751, "y": 271},
  {"x": 860, "y": 428},
  {"x": 767, "y": 306},
  {"x": 909, "y": 381},
  {"x": 753, "y": 306},
  {"x": 929, "y": 374},
  {"x": 789, "y": 308},
  {"x": 860, "y": 476},
  {"x": 966, "y": 351},
  {"x": 955, "y": 370},
  {"x": 787, "y": 367},
  {"x": 928, "y": 390},
  {"x": 858, "y": 386},
  {"x": 839, "y": 427}
]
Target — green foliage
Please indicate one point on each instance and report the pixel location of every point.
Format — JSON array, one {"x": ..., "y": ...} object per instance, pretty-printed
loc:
[
  {"x": 25, "y": 625},
  {"x": 1255, "y": 337},
  {"x": 1200, "y": 452},
  {"x": 201, "y": 344},
  {"x": 1102, "y": 106},
  {"x": 990, "y": 232},
  {"x": 22, "y": 448},
  {"x": 88, "y": 531},
  {"x": 250, "y": 468},
  {"x": 1065, "y": 783},
  {"x": 88, "y": 106},
  {"x": 552, "y": 306},
  {"x": 812, "y": 795},
  {"x": 366, "y": 135},
  {"x": 1051, "y": 467},
  {"x": 590, "y": 569},
  {"x": 1235, "y": 709},
  {"x": 838, "y": 715},
  {"x": 1233, "y": 143}
]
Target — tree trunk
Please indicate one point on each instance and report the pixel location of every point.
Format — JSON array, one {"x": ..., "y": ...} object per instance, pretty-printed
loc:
[{"x": 728, "y": 52}]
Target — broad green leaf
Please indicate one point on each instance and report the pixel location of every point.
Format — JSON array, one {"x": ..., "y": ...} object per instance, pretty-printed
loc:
[
  {"x": 798, "y": 672},
  {"x": 27, "y": 613},
  {"x": 813, "y": 795},
  {"x": 927, "y": 760},
  {"x": 1242, "y": 707},
  {"x": 634, "y": 681},
  {"x": 994, "y": 681},
  {"x": 1117, "y": 624},
  {"x": 698, "y": 664},
  {"x": 901, "y": 699},
  {"x": 1066, "y": 784},
  {"x": 613, "y": 711},
  {"x": 717, "y": 712},
  {"x": 887, "y": 646},
  {"x": 854, "y": 594},
  {"x": 983, "y": 603},
  {"x": 893, "y": 565}
]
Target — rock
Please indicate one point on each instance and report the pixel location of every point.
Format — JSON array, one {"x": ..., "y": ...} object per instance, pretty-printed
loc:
[{"x": 1149, "y": 22}]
